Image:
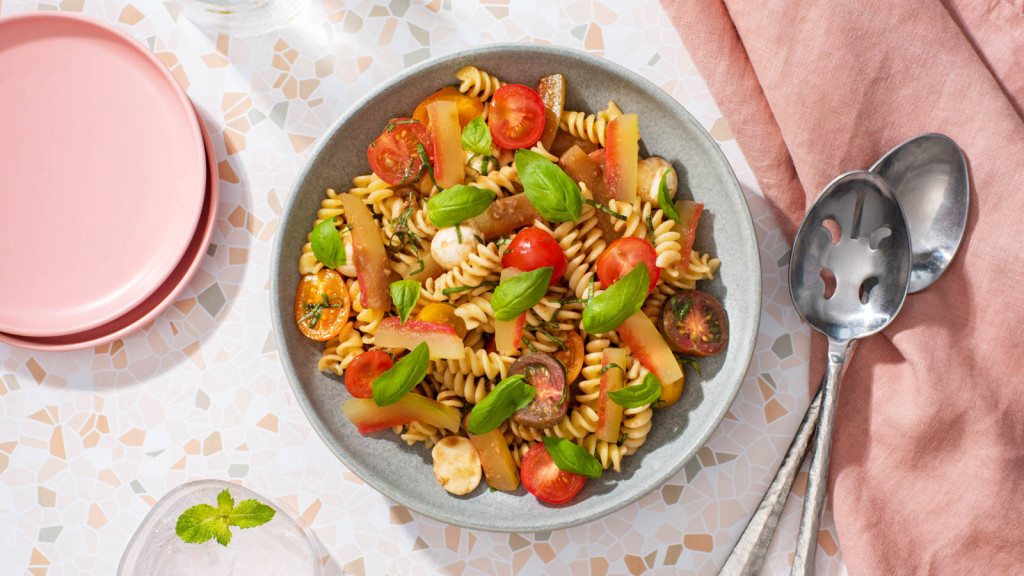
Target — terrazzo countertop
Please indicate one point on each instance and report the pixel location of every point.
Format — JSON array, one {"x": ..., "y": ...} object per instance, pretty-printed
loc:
[{"x": 89, "y": 440}]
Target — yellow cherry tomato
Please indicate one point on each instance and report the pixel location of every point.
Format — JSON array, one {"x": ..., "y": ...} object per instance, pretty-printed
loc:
[{"x": 443, "y": 314}]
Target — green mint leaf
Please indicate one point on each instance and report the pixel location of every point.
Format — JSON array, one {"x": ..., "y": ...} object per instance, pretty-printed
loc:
[
  {"x": 665, "y": 197},
  {"x": 457, "y": 204},
  {"x": 572, "y": 458},
  {"x": 390, "y": 386},
  {"x": 476, "y": 136},
  {"x": 520, "y": 293},
  {"x": 638, "y": 395},
  {"x": 250, "y": 513},
  {"x": 621, "y": 300},
  {"x": 223, "y": 532},
  {"x": 225, "y": 503},
  {"x": 404, "y": 294},
  {"x": 198, "y": 524},
  {"x": 551, "y": 191},
  {"x": 328, "y": 246},
  {"x": 508, "y": 397}
]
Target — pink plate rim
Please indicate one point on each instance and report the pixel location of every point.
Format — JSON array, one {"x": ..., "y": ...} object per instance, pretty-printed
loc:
[
  {"x": 113, "y": 314},
  {"x": 165, "y": 294}
]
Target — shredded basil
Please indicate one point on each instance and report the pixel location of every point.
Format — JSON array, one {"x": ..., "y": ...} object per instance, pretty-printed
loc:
[
  {"x": 605, "y": 209},
  {"x": 457, "y": 289}
]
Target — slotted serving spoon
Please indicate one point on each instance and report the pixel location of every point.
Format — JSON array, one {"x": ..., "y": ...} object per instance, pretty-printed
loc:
[{"x": 856, "y": 236}]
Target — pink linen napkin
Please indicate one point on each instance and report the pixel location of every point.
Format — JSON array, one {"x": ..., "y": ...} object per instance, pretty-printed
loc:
[{"x": 927, "y": 472}]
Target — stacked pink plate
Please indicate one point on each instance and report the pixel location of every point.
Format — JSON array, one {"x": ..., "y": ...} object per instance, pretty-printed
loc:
[{"x": 108, "y": 184}]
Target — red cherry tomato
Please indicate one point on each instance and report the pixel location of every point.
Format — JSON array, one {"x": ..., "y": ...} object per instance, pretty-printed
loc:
[
  {"x": 622, "y": 256},
  {"x": 542, "y": 478},
  {"x": 394, "y": 156},
  {"x": 364, "y": 369},
  {"x": 517, "y": 117},
  {"x": 534, "y": 248}
]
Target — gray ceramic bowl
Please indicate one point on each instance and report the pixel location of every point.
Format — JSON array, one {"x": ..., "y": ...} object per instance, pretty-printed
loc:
[{"x": 404, "y": 473}]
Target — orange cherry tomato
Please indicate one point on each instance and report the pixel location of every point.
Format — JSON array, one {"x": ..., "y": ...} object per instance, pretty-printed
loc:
[
  {"x": 572, "y": 356},
  {"x": 361, "y": 373},
  {"x": 542, "y": 478},
  {"x": 394, "y": 156},
  {"x": 442, "y": 313},
  {"x": 517, "y": 117},
  {"x": 622, "y": 256},
  {"x": 321, "y": 305},
  {"x": 469, "y": 108}
]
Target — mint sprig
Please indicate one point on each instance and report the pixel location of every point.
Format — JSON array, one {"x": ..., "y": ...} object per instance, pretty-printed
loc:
[{"x": 203, "y": 522}]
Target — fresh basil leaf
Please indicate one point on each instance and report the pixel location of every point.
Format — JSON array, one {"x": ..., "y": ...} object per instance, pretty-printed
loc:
[
  {"x": 390, "y": 386},
  {"x": 328, "y": 246},
  {"x": 457, "y": 204},
  {"x": 572, "y": 457},
  {"x": 551, "y": 191},
  {"x": 509, "y": 396},
  {"x": 520, "y": 293},
  {"x": 639, "y": 395},
  {"x": 665, "y": 200},
  {"x": 610, "y": 308},
  {"x": 476, "y": 136},
  {"x": 404, "y": 294}
]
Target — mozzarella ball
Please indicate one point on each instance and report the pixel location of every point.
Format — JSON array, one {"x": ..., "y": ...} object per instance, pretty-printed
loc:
[
  {"x": 648, "y": 178},
  {"x": 446, "y": 248},
  {"x": 456, "y": 465},
  {"x": 349, "y": 269}
]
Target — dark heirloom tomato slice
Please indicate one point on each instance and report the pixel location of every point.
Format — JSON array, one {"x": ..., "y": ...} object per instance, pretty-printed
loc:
[
  {"x": 694, "y": 323},
  {"x": 321, "y": 305},
  {"x": 547, "y": 376},
  {"x": 622, "y": 256},
  {"x": 542, "y": 478},
  {"x": 364, "y": 369},
  {"x": 394, "y": 156},
  {"x": 517, "y": 117},
  {"x": 534, "y": 248}
]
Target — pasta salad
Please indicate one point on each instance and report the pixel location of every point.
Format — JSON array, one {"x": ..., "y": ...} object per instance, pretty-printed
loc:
[{"x": 512, "y": 286}]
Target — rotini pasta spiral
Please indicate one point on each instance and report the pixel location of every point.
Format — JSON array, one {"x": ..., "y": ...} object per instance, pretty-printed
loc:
[
  {"x": 477, "y": 83},
  {"x": 482, "y": 266},
  {"x": 480, "y": 363},
  {"x": 472, "y": 388},
  {"x": 503, "y": 181},
  {"x": 341, "y": 350},
  {"x": 477, "y": 313},
  {"x": 589, "y": 126}
]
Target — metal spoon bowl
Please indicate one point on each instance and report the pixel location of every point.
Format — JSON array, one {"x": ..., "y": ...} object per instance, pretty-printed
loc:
[{"x": 928, "y": 174}]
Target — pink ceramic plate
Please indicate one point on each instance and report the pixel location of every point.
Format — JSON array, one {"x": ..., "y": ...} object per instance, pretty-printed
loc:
[
  {"x": 159, "y": 300},
  {"x": 102, "y": 174}
]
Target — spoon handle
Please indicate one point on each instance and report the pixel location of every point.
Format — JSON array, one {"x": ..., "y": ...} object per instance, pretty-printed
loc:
[
  {"x": 751, "y": 548},
  {"x": 817, "y": 476}
]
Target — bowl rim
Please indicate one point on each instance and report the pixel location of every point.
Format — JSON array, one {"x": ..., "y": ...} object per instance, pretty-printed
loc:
[{"x": 746, "y": 222}]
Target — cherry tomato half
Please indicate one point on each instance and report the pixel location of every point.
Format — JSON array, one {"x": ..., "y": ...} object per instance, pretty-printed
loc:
[
  {"x": 694, "y": 323},
  {"x": 394, "y": 156},
  {"x": 622, "y": 256},
  {"x": 468, "y": 107},
  {"x": 572, "y": 356},
  {"x": 363, "y": 370},
  {"x": 534, "y": 248},
  {"x": 517, "y": 117},
  {"x": 321, "y": 305},
  {"x": 442, "y": 313},
  {"x": 542, "y": 478}
]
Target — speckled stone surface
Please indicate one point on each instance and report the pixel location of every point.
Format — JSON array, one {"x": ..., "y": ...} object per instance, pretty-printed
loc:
[{"x": 89, "y": 440}]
